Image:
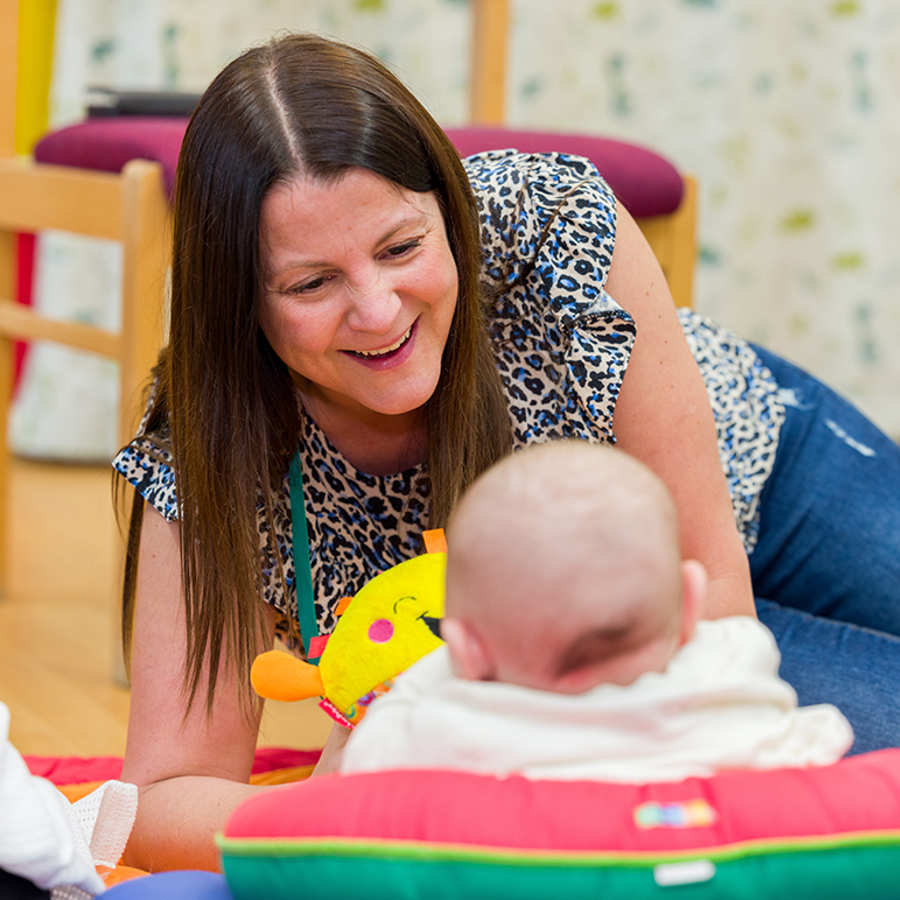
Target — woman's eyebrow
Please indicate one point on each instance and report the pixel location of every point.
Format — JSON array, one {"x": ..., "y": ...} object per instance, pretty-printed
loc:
[{"x": 409, "y": 221}]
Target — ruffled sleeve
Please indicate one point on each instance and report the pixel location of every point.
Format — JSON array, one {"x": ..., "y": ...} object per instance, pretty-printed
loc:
[
  {"x": 548, "y": 231},
  {"x": 146, "y": 465}
]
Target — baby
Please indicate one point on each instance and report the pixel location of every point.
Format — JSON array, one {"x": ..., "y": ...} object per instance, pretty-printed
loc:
[
  {"x": 573, "y": 647},
  {"x": 50, "y": 847}
]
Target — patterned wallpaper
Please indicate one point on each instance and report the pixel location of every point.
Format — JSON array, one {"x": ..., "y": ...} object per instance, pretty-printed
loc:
[
  {"x": 787, "y": 113},
  {"x": 182, "y": 44}
]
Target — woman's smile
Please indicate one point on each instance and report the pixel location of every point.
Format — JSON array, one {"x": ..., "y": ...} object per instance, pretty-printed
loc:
[
  {"x": 387, "y": 352},
  {"x": 359, "y": 293}
]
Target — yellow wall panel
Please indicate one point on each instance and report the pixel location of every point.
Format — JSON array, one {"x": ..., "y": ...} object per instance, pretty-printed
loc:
[{"x": 37, "y": 19}]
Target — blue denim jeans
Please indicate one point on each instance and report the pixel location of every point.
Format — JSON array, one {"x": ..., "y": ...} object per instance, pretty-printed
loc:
[{"x": 826, "y": 569}]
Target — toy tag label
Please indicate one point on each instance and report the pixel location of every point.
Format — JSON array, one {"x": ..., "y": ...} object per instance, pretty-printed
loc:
[{"x": 686, "y": 814}]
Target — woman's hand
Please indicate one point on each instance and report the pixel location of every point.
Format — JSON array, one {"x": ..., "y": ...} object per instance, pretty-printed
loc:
[{"x": 663, "y": 418}]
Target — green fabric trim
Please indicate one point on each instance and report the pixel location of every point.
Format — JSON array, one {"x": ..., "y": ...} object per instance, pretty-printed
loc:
[
  {"x": 835, "y": 874},
  {"x": 352, "y": 848}
]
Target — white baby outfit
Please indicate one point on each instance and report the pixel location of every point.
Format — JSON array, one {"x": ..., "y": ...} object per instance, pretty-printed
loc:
[
  {"x": 54, "y": 843},
  {"x": 719, "y": 705}
]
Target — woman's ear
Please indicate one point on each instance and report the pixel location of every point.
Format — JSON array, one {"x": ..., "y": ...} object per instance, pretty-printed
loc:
[
  {"x": 468, "y": 653},
  {"x": 694, "y": 582}
]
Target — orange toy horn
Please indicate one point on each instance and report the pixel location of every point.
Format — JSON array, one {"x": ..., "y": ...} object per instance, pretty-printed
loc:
[{"x": 276, "y": 675}]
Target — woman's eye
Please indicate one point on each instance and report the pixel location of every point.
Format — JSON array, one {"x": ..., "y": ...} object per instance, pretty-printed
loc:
[
  {"x": 306, "y": 287},
  {"x": 404, "y": 248}
]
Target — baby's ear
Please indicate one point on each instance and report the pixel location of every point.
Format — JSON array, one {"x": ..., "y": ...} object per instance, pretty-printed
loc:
[
  {"x": 468, "y": 653},
  {"x": 694, "y": 582}
]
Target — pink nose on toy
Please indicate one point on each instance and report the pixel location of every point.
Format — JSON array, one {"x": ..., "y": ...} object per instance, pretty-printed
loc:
[{"x": 381, "y": 631}]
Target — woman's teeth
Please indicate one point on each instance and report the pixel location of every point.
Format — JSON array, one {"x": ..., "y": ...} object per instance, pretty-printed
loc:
[{"x": 372, "y": 354}]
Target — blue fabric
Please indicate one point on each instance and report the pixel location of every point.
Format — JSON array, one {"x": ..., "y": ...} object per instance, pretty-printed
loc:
[
  {"x": 186, "y": 885},
  {"x": 828, "y": 557}
]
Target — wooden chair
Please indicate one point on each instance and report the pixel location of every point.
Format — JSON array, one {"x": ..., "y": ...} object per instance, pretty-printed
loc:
[{"x": 131, "y": 207}]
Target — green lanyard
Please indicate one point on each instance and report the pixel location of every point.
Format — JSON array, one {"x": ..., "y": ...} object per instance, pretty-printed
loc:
[{"x": 306, "y": 607}]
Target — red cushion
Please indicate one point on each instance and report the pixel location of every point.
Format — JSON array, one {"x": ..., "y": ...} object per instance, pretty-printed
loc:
[
  {"x": 64, "y": 770},
  {"x": 109, "y": 142},
  {"x": 830, "y": 833},
  {"x": 647, "y": 184}
]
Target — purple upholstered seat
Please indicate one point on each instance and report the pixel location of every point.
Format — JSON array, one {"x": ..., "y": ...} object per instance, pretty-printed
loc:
[
  {"x": 645, "y": 182},
  {"x": 107, "y": 143}
]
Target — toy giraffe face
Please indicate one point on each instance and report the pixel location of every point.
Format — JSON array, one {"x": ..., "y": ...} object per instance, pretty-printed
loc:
[{"x": 386, "y": 628}]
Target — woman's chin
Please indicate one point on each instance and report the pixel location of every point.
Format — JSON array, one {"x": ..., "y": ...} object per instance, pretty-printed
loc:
[
  {"x": 404, "y": 397},
  {"x": 407, "y": 399},
  {"x": 412, "y": 406},
  {"x": 366, "y": 409}
]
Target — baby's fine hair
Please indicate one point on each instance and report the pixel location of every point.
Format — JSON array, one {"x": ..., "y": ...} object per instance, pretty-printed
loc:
[{"x": 564, "y": 539}]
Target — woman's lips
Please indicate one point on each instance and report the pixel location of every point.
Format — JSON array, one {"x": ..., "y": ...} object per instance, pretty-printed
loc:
[{"x": 396, "y": 353}]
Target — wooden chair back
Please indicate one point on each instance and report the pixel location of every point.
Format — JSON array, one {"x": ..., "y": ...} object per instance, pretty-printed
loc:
[{"x": 131, "y": 207}]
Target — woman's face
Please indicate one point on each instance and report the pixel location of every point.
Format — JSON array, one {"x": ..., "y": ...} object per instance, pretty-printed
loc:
[{"x": 359, "y": 290}]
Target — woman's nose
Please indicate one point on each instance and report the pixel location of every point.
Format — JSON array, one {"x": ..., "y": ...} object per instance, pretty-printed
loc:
[{"x": 374, "y": 306}]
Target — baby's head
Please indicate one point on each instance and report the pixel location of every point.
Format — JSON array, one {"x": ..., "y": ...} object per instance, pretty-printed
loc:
[{"x": 564, "y": 571}]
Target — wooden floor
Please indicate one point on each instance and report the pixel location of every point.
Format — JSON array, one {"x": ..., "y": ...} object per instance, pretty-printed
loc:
[{"x": 58, "y": 622}]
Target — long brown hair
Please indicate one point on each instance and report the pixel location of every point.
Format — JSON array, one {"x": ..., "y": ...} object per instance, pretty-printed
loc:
[{"x": 300, "y": 105}]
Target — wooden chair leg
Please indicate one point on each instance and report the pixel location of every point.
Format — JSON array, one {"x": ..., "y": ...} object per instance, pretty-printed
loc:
[
  {"x": 147, "y": 226},
  {"x": 9, "y": 50},
  {"x": 490, "y": 31},
  {"x": 7, "y": 362}
]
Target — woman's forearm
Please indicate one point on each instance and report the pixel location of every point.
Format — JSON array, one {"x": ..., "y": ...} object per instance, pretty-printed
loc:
[
  {"x": 178, "y": 819},
  {"x": 728, "y": 595}
]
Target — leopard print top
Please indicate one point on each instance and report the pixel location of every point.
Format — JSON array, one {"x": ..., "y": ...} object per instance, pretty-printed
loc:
[{"x": 562, "y": 343}]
